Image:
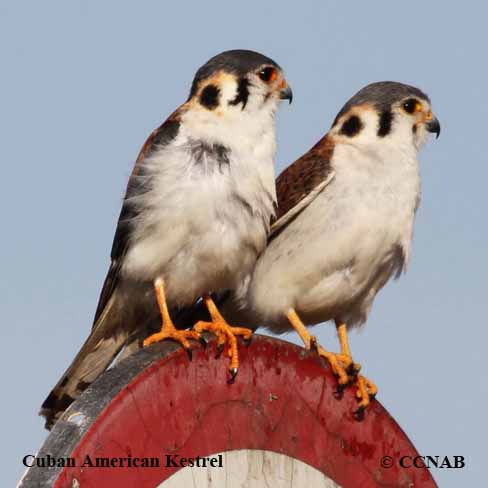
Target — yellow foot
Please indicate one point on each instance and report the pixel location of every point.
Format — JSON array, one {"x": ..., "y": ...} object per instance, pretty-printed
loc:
[
  {"x": 226, "y": 334},
  {"x": 168, "y": 330},
  {"x": 366, "y": 391},
  {"x": 342, "y": 365}
]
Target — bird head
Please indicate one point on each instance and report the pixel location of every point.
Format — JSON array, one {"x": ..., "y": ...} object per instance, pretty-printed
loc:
[
  {"x": 239, "y": 82},
  {"x": 387, "y": 112}
]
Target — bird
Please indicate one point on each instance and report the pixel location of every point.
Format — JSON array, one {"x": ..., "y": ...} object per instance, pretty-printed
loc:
[
  {"x": 195, "y": 216},
  {"x": 344, "y": 225}
]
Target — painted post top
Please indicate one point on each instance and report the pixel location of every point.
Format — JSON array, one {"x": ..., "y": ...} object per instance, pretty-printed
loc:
[{"x": 151, "y": 420}]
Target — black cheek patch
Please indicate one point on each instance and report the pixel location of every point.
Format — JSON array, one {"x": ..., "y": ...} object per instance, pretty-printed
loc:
[
  {"x": 352, "y": 126},
  {"x": 242, "y": 93},
  {"x": 209, "y": 97},
  {"x": 386, "y": 119}
]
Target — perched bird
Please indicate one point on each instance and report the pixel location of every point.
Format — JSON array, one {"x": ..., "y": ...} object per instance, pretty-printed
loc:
[
  {"x": 195, "y": 216},
  {"x": 346, "y": 213}
]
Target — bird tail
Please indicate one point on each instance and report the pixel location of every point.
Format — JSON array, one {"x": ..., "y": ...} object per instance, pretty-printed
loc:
[{"x": 105, "y": 341}]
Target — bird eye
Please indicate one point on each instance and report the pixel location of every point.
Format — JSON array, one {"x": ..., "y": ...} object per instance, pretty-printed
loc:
[
  {"x": 412, "y": 105},
  {"x": 268, "y": 74}
]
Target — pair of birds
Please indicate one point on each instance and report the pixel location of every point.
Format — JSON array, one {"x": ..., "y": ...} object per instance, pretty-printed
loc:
[{"x": 203, "y": 216}]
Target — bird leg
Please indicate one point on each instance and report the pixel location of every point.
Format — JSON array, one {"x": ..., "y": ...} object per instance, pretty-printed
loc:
[
  {"x": 224, "y": 332},
  {"x": 342, "y": 364},
  {"x": 168, "y": 330},
  {"x": 366, "y": 389},
  {"x": 353, "y": 368},
  {"x": 339, "y": 363}
]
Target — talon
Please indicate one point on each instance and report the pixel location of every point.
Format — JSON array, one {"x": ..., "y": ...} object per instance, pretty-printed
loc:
[
  {"x": 366, "y": 390},
  {"x": 353, "y": 369},
  {"x": 233, "y": 374},
  {"x": 359, "y": 414},
  {"x": 189, "y": 353},
  {"x": 342, "y": 364},
  {"x": 313, "y": 344},
  {"x": 247, "y": 342},
  {"x": 203, "y": 342},
  {"x": 220, "y": 350},
  {"x": 338, "y": 395},
  {"x": 226, "y": 334}
]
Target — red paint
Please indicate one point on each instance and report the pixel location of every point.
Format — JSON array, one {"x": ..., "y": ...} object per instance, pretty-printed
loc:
[{"x": 175, "y": 406}]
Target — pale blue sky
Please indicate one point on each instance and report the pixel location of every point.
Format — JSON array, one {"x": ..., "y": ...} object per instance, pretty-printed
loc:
[{"x": 84, "y": 82}]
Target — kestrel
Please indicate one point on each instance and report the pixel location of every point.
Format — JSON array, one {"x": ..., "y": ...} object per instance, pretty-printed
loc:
[
  {"x": 346, "y": 212},
  {"x": 195, "y": 216}
]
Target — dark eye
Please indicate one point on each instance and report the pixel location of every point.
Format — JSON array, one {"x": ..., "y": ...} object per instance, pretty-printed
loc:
[
  {"x": 412, "y": 105},
  {"x": 268, "y": 74}
]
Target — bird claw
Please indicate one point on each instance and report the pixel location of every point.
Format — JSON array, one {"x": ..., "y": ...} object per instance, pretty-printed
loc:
[
  {"x": 233, "y": 374},
  {"x": 247, "y": 342},
  {"x": 353, "y": 370},
  {"x": 220, "y": 350},
  {"x": 203, "y": 342},
  {"x": 339, "y": 392},
  {"x": 226, "y": 337},
  {"x": 189, "y": 353},
  {"x": 366, "y": 391},
  {"x": 347, "y": 373},
  {"x": 359, "y": 413},
  {"x": 313, "y": 344}
]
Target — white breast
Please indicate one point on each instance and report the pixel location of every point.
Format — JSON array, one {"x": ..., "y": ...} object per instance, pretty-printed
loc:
[
  {"x": 343, "y": 248},
  {"x": 203, "y": 225}
]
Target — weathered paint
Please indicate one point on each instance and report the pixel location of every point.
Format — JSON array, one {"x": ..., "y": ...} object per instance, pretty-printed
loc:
[
  {"x": 251, "y": 469},
  {"x": 157, "y": 402}
]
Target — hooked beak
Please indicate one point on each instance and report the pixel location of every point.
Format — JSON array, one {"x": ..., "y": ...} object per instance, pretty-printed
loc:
[
  {"x": 286, "y": 93},
  {"x": 433, "y": 126}
]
